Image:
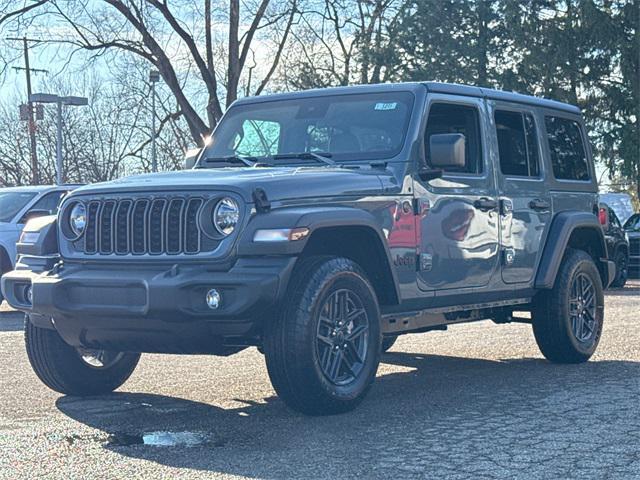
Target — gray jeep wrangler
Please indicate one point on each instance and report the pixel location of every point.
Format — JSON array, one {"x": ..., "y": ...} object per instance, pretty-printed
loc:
[{"x": 318, "y": 226}]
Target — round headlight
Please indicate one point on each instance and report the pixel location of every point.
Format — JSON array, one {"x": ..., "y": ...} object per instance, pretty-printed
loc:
[
  {"x": 78, "y": 219},
  {"x": 226, "y": 215}
]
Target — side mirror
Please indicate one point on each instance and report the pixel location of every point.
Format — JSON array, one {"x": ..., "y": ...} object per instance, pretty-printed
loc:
[
  {"x": 447, "y": 150},
  {"x": 34, "y": 213},
  {"x": 191, "y": 157}
]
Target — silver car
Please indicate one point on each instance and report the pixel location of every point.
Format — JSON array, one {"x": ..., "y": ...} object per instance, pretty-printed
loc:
[{"x": 17, "y": 205}]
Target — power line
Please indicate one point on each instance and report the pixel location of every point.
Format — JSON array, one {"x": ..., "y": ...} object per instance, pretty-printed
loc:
[{"x": 31, "y": 122}]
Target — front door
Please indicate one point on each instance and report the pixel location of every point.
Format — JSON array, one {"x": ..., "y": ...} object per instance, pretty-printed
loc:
[
  {"x": 458, "y": 221},
  {"x": 525, "y": 202}
]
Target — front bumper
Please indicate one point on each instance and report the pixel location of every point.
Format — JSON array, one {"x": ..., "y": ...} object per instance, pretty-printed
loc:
[{"x": 150, "y": 309}]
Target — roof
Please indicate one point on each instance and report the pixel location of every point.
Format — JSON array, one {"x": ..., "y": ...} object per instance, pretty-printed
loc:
[
  {"x": 436, "y": 87},
  {"x": 493, "y": 94}
]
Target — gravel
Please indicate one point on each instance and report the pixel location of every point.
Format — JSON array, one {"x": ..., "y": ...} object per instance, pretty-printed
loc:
[{"x": 477, "y": 401}]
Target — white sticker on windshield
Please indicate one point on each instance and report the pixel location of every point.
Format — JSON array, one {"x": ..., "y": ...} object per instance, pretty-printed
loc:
[{"x": 386, "y": 106}]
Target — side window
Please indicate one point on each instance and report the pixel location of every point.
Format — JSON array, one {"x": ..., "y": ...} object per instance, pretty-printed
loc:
[
  {"x": 633, "y": 223},
  {"x": 258, "y": 138},
  {"x": 568, "y": 155},
  {"x": 450, "y": 118},
  {"x": 613, "y": 218},
  {"x": 49, "y": 202},
  {"x": 517, "y": 143}
]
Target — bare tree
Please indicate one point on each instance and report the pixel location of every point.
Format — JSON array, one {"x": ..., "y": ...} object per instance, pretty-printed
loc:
[
  {"x": 180, "y": 40},
  {"x": 105, "y": 140},
  {"x": 343, "y": 42}
]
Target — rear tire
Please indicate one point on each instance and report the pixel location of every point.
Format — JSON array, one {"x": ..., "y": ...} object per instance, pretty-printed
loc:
[
  {"x": 64, "y": 369},
  {"x": 567, "y": 320},
  {"x": 622, "y": 272},
  {"x": 323, "y": 350}
]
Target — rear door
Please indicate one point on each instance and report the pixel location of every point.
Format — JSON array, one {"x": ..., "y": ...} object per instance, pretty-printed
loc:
[
  {"x": 525, "y": 202},
  {"x": 458, "y": 225}
]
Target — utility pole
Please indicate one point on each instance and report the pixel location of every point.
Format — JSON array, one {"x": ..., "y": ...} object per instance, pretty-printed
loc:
[
  {"x": 154, "y": 76},
  {"x": 31, "y": 122},
  {"x": 59, "y": 101}
]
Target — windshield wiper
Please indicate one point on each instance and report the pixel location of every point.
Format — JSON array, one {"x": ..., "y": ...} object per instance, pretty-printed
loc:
[
  {"x": 230, "y": 159},
  {"x": 321, "y": 157}
]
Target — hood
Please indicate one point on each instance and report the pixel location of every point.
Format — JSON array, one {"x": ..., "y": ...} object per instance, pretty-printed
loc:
[{"x": 279, "y": 183}]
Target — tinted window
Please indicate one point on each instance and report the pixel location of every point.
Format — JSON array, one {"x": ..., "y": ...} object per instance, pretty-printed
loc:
[
  {"x": 613, "y": 218},
  {"x": 12, "y": 202},
  {"x": 633, "y": 223},
  {"x": 49, "y": 202},
  {"x": 517, "y": 143},
  {"x": 568, "y": 155},
  {"x": 349, "y": 127},
  {"x": 445, "y": 118}
]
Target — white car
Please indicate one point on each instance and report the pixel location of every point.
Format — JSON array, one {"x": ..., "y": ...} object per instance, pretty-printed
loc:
[{"x": 17, "y": 205}]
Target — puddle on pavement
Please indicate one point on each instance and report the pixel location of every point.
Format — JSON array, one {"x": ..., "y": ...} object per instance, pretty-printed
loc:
[
  {"x": 154, "y": 439},
  {"x": 162, "y": 439}
]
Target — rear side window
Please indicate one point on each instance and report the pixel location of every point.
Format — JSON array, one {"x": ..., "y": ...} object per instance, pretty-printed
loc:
[
  {"x": 568, "y": 154},
  {"x": 449, "y": 118},
  {"x": 517, "y": 143}
]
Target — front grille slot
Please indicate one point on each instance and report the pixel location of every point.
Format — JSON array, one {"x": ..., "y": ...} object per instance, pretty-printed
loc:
[
  {"x": 106, "y": 226},
  {"x": 122, "y": 226},
  {"x": 174, "y": 226},
  {"x": 143, "y": 226},
  {"x": 138, "y": 227},
  {"x": 634, "y": 247},
  {"x": 92, "y": 228},
  {"x": 156, "y": 226}
]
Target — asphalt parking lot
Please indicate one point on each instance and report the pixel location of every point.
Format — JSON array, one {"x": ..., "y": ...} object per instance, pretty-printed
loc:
[{"x": 477, "y": 401}]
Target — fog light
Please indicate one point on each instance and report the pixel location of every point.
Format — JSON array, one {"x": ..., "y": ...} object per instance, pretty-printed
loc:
[
  {"x": 28, "y": 294},
  {"x": 213, "y": 299}
]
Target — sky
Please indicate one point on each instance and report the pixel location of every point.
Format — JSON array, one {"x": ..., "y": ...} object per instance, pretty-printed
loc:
[{"x": 59, "y": 61}]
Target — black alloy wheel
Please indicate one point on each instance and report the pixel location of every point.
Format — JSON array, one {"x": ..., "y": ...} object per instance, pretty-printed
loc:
[{"x": 342, "y": 337}]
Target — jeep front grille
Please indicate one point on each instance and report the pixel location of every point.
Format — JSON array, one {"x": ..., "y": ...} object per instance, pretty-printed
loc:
[
  {"x": 634, "y": 247},
  {"x": 139, "y": 226}
]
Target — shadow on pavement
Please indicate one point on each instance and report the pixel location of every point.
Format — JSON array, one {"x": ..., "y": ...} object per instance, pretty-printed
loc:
[
  {"x": 11, "y": 321},
  {"x": 432, "y": 402}
]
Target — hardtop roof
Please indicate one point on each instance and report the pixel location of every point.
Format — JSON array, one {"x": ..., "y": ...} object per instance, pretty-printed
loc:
[{"x": 436, "y": 87}]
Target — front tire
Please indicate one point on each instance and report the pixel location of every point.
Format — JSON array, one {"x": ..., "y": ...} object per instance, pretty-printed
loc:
[
  {"x": 567, "y": 320},
  {"x": 72, "y": 371},
  {"x": 323, "y": 350}
]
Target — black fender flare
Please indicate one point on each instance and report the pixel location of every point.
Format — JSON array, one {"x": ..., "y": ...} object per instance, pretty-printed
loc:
[
  {"x": 562, "y": 226},
  {"x": 313, "y": 218},
  {"x": 44, "y": 237}
]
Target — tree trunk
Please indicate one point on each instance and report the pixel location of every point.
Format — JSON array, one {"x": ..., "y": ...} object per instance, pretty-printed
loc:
[
  {"x": 483, "y": 41},
  {"x": 233, "y": 73}
]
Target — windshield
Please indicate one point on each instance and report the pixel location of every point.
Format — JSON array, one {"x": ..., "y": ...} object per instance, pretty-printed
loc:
[
  {"x": 12, "y": 202},
  {"x": 341, "y": 127},
  {"x": 633, "y": 223}
]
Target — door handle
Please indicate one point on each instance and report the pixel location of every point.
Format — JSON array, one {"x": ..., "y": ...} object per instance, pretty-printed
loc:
[
  {"x": 485, "y": 204},
  {"x": 539, "y": 204}
]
